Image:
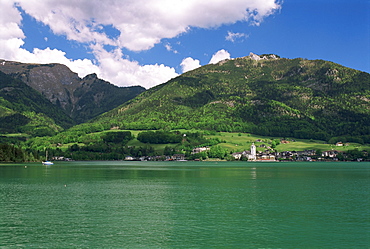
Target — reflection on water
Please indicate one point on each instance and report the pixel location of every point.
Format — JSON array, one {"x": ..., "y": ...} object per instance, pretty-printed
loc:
[
  {"x": 253, "y": 173},
  {"x": 185, "y": 204}
]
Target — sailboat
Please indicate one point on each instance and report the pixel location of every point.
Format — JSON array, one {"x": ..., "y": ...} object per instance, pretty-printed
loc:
[{"x": 46, "y": 162}]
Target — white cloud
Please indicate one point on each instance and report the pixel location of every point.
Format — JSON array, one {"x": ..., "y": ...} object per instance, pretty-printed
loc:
[
  {"x": 233, "y": 37},
  {"x": 114, "y": 68},
  {"x": 219, "y": 56},
  {"x": 111, "y": 67},
  {"x": 10, "y": 20},
  {"x": 189, "y": 64},
  {"x": 11, "y": 50},
  {"x": 170, "y": 49},
  {"x": 140, "y": 24}
]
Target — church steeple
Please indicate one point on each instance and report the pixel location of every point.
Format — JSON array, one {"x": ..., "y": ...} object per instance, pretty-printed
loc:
[{"x": 253, "y": 152}]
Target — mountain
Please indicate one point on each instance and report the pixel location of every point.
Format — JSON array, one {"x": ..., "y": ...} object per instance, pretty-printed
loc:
[
  {"x": 81, "y": 99},
  {"x": 23, "y": 109},
  {"x": 261, "y": 94}
]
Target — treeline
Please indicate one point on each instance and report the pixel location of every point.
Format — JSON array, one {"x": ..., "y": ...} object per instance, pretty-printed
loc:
[
  {"x": 213, "y": 152},
  {"x": 108, "y": 146},
  {"x": 102, "y": 151},
  {"x": 354, "y": 155},
  {"x": 349, "y": 155},
  {"x": 12, "y": 153},
  {"x": 120, "y": 137},
  {"x": 159, "y": 137},
  {"x": 365, "y": 139},
  {"x": 113, "y": 146}
]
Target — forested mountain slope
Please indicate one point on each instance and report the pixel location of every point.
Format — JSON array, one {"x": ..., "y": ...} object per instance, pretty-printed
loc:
[
  {"x": 81, "y": 99},
  {"x": 265, "y": 95},
  {"x": 23, "y": 109}
]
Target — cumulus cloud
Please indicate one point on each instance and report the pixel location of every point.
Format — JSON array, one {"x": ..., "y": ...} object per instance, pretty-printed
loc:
[
  {"x": 219, "y": 56},
  {"x": 114, "y": 68},
  {"x": 233, "y": 37},
  {"x": 11, "y": 50},
  {"x": 139, "y": 25},
  {"x": 189, "y": 64},
  {"x": 10, "y": 21}
]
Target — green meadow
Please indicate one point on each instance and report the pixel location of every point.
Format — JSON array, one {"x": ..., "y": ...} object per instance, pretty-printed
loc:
[{"x": 237, "y": 142}]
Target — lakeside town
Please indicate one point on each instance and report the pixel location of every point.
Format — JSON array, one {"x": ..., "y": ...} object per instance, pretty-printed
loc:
[
  {"x": 264, "y": 153},
  {"x": 261, "y": 152}
]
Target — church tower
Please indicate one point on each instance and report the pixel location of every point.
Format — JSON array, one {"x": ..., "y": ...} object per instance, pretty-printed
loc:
[{"x": 253, "y": 152}]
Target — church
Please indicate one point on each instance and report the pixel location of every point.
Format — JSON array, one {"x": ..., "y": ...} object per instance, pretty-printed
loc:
[{"x": 252, "y": 155}]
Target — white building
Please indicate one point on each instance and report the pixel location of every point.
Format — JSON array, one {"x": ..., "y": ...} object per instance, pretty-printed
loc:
[
  {"x": 253, "y": 155},
  {"x": 199, "y": 149}
]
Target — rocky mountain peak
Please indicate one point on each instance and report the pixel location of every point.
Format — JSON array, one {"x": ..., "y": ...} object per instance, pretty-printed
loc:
[
  {"x": 92, "y": 76},
  {"x": 257, "y": 57}
]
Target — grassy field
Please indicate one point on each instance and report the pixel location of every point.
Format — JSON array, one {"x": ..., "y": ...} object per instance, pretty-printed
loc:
[
  {"x": 15, "y": 135},
  {"x": 238, "y": 142}
]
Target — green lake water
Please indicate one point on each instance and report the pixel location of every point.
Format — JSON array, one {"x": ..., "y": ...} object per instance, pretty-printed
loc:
[{"x": 185, "y": 205}]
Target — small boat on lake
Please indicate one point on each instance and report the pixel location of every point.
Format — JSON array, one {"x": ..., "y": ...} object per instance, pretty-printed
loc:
[{"x": 46, "y": 162}]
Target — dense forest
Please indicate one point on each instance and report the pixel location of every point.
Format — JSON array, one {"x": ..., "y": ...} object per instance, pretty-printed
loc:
[{"x": 11, "y": 153}]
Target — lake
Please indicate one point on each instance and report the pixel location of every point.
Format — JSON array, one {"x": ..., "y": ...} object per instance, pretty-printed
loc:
[{"x": 185, "y": 205}]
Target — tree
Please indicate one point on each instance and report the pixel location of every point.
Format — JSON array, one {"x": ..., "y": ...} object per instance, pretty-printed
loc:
[
  {"x": 217, "y": 152},
  {"x": 74, "y": 147},
  {"x": 168, "y": 151},
  {"x": 117, "y": 137}
]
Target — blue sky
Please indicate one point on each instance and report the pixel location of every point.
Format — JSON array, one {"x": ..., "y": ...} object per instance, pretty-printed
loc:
[{"x": 152, "y": 41}]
